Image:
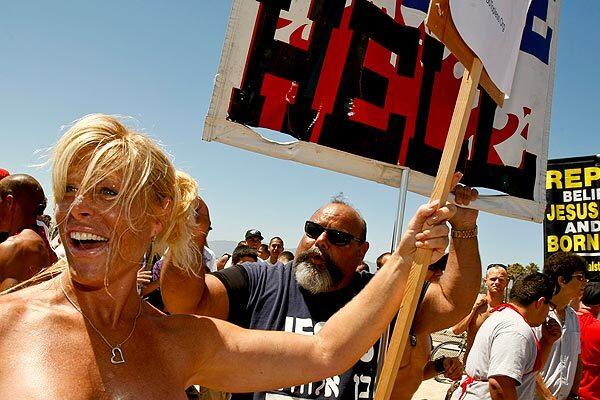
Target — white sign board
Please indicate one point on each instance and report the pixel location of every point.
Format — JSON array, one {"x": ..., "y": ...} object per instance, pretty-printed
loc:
[
  {"x": 493, "y": 30},
  {"x": 360, "y": 88}
]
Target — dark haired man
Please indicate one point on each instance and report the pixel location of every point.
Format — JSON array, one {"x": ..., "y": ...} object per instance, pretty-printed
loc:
[
  {"x": 275, "y": 249},
  {"x": 589, "y": 324},
  {"x": 263, "y": 252},
  {"x": 506, "y": 354},
  {"x": 25, "y": 250},
  {"x": 243, "y": 253},
  {"x": 362, "y": 267},
  {"x": 562, "y": 371},
  {"x": 301, "y": 295},
  {"x": 253, "y": 238},
  {"x": 285, "y": 257},
  {"x": 382, "y": 259}
]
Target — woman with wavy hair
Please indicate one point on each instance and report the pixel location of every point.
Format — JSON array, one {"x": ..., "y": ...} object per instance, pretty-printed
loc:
[{"x": 86, "y": 334}]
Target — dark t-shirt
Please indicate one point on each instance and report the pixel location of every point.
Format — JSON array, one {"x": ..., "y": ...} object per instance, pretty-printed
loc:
[{"x": 268, "y": 297}]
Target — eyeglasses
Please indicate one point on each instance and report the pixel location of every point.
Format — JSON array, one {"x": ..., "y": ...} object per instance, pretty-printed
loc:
[
  {"x": 335, "y": 237},
  {"x": 580, "y": 277}
]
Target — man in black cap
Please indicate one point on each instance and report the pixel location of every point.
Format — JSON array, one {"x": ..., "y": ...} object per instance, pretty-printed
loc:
[{"x": 253, "y": 238}]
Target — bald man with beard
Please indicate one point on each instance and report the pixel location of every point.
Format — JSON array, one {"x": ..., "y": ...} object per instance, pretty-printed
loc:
[
  {"x": 24, "y": 248},
  {"x": 301, "y": 295}
]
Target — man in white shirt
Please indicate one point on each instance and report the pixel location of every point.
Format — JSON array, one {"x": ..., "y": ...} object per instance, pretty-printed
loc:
[
  {"x": 562, "y": 372},
  {"x": 506, "y": 353},
  {"x": 275, "y": 249}
]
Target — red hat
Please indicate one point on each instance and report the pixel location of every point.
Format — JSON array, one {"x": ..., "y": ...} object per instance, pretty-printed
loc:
[{"x": 3, "y": 173}]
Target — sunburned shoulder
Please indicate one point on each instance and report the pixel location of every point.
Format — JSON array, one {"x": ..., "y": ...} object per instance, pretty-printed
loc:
[
  {"x": 184, "y": 324},
  {"x": 26, "y": 244},
  {"x": 27, "y": 305},
  {"x": 194, "y": 332},
  {"x": 26, "y": 238}
]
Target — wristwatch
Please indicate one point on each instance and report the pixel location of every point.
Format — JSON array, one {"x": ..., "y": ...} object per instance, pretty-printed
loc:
[{"x": 464, "y": 234}]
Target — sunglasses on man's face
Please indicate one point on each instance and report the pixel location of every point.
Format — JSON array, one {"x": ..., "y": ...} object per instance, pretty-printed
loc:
[{"x": 335, "y": 237}]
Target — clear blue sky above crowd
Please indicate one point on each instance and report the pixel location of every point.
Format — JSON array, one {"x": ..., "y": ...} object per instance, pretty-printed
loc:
[{"x": 156, "y": 60}]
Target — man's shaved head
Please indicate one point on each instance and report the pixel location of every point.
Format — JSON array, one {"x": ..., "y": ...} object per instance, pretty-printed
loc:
[
  {"x": 496, "y": 279},
  {"x": 26, "y": 191}
]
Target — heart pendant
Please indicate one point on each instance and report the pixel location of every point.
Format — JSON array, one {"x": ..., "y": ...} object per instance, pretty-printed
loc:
[{"x": 117, "y": 356}]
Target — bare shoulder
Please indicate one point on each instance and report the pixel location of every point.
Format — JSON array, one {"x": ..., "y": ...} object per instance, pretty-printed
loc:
[
  {"x": 24, "y": 306},
  {"x": 200, "y": 336},
  {"x": 27, "y": 239},
  {"x": 190, "y": 328},
  {"x": 25, "y": 244}
]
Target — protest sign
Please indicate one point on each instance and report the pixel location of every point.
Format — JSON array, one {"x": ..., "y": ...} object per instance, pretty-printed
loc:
[
  {"x": 492, "y": 29},
  {"x": 360, "y": 88},
  {"x": 441, "y": 24},
  {"x": 572, "y": 219}
]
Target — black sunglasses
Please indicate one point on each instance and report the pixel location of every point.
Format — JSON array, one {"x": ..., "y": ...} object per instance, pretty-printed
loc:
[{"x": 335, "y": 237}]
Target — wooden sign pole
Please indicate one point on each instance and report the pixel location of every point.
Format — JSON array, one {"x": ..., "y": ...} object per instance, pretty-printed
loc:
[{"x": 441, "y": 188}]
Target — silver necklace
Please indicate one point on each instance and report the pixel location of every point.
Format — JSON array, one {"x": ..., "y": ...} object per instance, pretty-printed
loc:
[{"x": 117, "y": 356}]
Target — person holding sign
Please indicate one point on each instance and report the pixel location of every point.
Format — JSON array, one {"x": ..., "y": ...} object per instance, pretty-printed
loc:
[
  {"x": 302, "y": 295},
  {"x": 86, "y": 333}
]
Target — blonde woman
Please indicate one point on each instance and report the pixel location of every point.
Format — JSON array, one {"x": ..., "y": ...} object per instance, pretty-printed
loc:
[{"x": 86, "y": 334}]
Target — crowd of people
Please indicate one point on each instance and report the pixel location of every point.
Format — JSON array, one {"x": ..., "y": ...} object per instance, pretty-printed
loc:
[{"x": 120, "y": 295}]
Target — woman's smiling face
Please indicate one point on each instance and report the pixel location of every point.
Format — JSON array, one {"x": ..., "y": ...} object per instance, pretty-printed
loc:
[{"x": 102, "y": 239}]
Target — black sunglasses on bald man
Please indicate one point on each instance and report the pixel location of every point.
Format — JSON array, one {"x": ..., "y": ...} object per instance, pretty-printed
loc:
[{"x": 335, "y": 237}]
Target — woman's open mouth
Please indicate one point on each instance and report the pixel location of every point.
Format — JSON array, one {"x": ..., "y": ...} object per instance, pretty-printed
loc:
[{"x": 85, "y": 241}]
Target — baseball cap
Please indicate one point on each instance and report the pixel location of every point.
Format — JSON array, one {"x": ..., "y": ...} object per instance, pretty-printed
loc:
[
  {"x": 3, "y": 173},
  {"x": 253, "y": 233}
]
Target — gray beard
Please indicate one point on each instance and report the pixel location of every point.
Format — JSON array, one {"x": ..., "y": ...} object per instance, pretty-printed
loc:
[{"x": 314, "y": 279}]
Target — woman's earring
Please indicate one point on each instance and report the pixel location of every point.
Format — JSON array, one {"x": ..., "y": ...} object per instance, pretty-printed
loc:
[{"x": 148, "y": 257}]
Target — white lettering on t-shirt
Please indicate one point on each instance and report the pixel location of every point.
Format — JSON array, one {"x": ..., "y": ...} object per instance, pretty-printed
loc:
[
  {"x": 330, "y": 386},
  {"x": 358, "y": 380}
]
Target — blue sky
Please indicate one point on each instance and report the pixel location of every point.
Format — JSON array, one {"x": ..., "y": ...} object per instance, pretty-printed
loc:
[{"x": 156, "y": 61}]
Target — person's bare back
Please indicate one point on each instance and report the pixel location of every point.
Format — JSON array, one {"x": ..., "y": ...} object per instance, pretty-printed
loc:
[
  {"x": 410, "y": 373},
  {"x": 22, "y": 256},
  {"x": 26, "y": 251}
]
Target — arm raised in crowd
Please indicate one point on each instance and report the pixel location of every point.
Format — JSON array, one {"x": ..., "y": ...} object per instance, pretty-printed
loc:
[
  {"x": 463, "y": 324},
  {"x": 189, "y": 290},
  {"x": 260, "y": 359},
  {"x": 449, "y": 299}
]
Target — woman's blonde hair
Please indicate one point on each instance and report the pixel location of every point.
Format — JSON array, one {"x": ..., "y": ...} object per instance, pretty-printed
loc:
[{"x": 104, "y": 147}]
